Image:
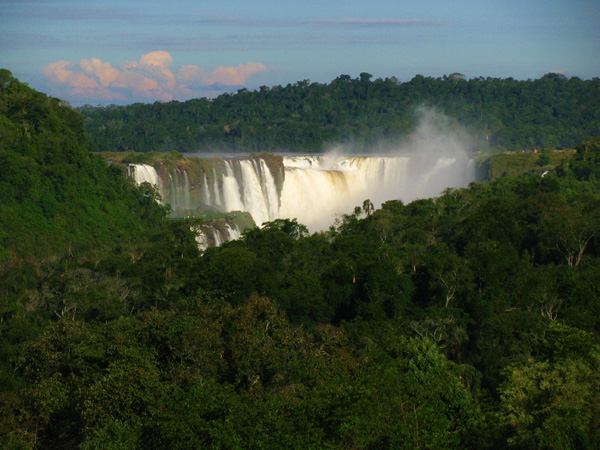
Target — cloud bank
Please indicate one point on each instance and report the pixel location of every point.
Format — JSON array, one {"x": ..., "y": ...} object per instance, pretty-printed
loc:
[{"x": 148, "y": 79}]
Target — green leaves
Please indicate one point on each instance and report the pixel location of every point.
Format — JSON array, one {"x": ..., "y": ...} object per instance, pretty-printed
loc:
[
  {"x": 465, "y": 321},
  {"x": 551, "y": 405},
  {"x": 541, "y": 114},
  {"x": 54, "y": 194}
]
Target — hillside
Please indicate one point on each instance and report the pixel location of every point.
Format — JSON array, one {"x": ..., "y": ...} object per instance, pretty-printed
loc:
[{"x": 55, "y": 196}]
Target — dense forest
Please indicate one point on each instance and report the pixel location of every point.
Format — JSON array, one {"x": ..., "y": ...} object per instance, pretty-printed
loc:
[
  {"x": 504, "y": 114},
  {"x": 470, "y": 320},
  {"x": 53, "y": 192}
]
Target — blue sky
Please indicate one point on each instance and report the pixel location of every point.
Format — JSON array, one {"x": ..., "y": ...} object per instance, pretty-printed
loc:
[{"x": 102, "y": 52}]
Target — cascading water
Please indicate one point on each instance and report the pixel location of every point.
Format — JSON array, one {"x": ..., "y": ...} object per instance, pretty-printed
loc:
[
  {"x": 178, "y": 195},
  {"x": 143, "y": 173},
  {"x": 254, "y": 199},
  {"x": 230, "y": 199},
  {"x": 207, "y": 236},
  {"x": 269, "y": 189},
  {"x": 315, "y": 188}
]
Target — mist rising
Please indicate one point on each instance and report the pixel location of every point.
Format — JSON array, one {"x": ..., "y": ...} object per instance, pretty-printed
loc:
[{"x": 436, "y": 156}]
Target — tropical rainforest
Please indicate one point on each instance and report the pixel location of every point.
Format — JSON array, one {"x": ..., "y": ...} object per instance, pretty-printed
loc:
[
  {"x": 549, "y": 113},
  {"x": 470, "y": 320}
]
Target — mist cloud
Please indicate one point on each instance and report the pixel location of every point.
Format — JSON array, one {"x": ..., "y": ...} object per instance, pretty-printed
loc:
[
  {"x": 441, "y": 152},
  {"x": 148, "y": 79},
  {"x": 438, "y": 154}
]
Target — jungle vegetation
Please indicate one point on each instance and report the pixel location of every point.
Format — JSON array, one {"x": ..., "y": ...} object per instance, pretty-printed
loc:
[
  {"x": 470, "y": 320},
  {"x": 553, "y": 112}
]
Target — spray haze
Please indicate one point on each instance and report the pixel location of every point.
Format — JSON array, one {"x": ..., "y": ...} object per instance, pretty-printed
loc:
[
  {"x": 440, "y": 150},
  {"x": 435, "y": 156}
]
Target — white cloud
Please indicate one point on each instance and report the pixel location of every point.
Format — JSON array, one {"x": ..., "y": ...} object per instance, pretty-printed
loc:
[{"x": 150, "y": 78}]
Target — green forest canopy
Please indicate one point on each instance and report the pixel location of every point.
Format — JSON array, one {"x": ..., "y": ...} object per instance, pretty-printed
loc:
[
  {"x": 470, "y": 320},
  {"x": 54, "y": 193},
  {"x": 552, "y": 112}
]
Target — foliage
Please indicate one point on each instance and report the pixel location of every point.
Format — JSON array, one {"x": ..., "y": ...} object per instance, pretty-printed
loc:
[
  {"x": 464, "y": 321},
  {"x": 55, "y": 196},
  {"x": 544, "y": 114},
  {"x": 514, "y": 164},
  {"x": 551, "y": 405}
]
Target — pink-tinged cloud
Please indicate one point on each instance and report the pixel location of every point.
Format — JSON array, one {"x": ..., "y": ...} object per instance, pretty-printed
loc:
[
  {"x": 158, "y": 58},
  {"x": 194, "y": 76},
  {"x": 60, "y": 72},
  {"x": 78, "y": 82},
  {"x": 105, "y": 72},
  {"x": 149, "y": 78},
  {"x": 232, "y": 76}
]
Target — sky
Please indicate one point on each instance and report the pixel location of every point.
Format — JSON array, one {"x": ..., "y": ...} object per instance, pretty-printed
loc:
[{"x": 121, "y": 52}]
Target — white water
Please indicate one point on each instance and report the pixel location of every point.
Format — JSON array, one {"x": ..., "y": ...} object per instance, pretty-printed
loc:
[
  {"x": 316, "y": 188},
  {"x": 253, "y": 196},
  {"x": 229, "y": 200},
  {"x": 207, "y": 236},
  {"x": 143, "y": 173}
]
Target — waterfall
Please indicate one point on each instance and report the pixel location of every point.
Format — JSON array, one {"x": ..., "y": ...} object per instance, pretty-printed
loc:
[
  {"x": 255, "y": 200},
  {"x": 315, "y": 189},
  {"x": 204, "y": 191},
  {"x": 143, "y": 173},
  {"x": 185, "y": 191},
  {"x": 269, "y": 189},
  {"x": 208, "y": 236},
  {"x": 231, "y": 200},
  {"x": 233, "y": 233},
  {"x": 314, "y": 196},
  {"x": 179, "y": 190}
]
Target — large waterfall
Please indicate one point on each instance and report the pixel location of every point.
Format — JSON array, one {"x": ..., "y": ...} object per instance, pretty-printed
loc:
[{"x": 313, "y": 189}]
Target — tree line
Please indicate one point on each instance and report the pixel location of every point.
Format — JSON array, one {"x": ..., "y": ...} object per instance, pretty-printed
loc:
[{"x": 549, "y": 113}]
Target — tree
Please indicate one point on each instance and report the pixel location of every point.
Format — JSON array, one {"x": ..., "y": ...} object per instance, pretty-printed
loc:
[
  {"x": 456, "y": 76},
  {"x": 570, "y": 226},
  {"x": 544, "y": 159},
  {"x": 368, "y": 207},
  {"x": 365, "y": 77},
  {"x": 551, "y": 405},
  {"x": 5, "y": 78},
  {"x": 415, "y": 399}
]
